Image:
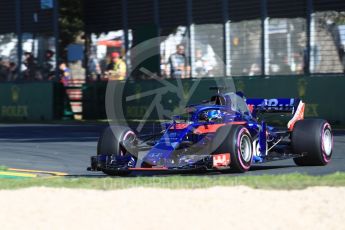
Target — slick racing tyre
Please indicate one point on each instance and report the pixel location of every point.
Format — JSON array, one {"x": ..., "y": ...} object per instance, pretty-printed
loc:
[
  {"x": 313, "y": 139},
  {"x": 110, "y": 141},
  {"x": 237, "y": 141}
]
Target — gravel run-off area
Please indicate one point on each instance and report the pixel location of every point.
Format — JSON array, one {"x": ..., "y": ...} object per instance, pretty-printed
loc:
[{"x": 147, "y": 208}]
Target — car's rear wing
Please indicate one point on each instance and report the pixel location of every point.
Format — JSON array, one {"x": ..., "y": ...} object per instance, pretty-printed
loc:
[
  {"x": 294, "y": 106},
  {"x": 281, "y": 105}
]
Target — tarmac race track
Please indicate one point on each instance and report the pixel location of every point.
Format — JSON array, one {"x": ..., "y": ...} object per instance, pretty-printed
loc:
[{"x": 67, "y": 148}]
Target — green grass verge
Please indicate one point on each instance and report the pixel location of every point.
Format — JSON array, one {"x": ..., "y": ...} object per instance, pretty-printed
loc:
[
  {"x": 3, "y": 168},
  {"x": 285, "y": 181}
]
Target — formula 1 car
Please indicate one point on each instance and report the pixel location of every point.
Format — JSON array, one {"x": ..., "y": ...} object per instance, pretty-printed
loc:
[{"x": 225, "y": 133}]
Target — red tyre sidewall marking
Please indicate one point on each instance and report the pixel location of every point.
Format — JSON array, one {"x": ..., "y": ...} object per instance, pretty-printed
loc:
[
  {"x": 124, "y": 138},
  {"x": 128, "y": 133},
  {"x": 244, "y": 166}
]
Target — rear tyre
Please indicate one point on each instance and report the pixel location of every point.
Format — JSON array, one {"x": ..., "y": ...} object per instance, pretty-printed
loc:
[
  {"x": 314, "y": 139},
  {"x": 109, "y": 144},
  {"x": 237, "y": 141}
]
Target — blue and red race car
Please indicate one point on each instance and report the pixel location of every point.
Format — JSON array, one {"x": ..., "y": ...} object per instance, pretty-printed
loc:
[{"x": 225, "y": 133}]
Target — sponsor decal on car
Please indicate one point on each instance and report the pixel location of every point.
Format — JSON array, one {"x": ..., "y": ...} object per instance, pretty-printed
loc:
[{"x": 221, "y": 160}]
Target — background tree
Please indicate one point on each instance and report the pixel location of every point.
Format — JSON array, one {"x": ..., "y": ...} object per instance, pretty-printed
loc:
[{"x": 71, "y": 24}]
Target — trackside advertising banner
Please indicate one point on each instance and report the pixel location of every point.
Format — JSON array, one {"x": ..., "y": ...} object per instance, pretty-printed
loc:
[{"x": 27, "y": 101}]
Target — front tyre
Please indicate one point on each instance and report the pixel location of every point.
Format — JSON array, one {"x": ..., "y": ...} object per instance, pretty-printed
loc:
[
  {"x": 312, "y": 138},
  {"x": 110, "y": 143},
  {"x": 237, "y": 141}
]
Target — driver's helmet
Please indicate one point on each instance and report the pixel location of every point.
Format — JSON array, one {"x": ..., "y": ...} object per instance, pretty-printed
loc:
[{"x": 214, "y": 115}]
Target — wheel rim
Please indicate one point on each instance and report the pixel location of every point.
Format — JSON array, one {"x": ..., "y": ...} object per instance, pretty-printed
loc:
[
  {"x": 245, "y": 148},
  {"x": 327, "y": 142}
]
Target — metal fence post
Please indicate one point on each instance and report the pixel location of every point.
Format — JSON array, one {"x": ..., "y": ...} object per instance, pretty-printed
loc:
[
  {"x": 308, "y": 40},
  {"x": 264, "y": 35},
  {"x": 56, "y": 36},
  {"x": 156, "y": 16},
  {"x": 226, "y": 39},
  {"x": 125, "y": 31},
  {"x": 157, "y": 24},
  {"x": 19, "y": 37},
  {"x": 190, "y": 35}
]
